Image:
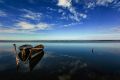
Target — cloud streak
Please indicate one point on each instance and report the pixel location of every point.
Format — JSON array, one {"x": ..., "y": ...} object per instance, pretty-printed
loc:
[
  {"x": 2, "y": 13},
  {"x": 33, "y": 27},
  {"x": 94, "y": 3},
  {"x": 25, "y": 27},
  {"x": 104, "y": 2},
  {"x": 76, "y": 16},
  {"x": 64, "y": 3},
  {"x": 115, "y": 29},
  {"x": 71, "y": 24},
  {"x": 31, "y": 14}
]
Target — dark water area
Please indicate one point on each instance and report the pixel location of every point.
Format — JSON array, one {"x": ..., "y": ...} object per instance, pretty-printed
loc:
[{"x": 64, "y": 61}]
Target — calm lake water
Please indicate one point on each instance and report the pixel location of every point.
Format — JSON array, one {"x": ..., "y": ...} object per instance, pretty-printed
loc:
[{"x": 65, "y": 61}]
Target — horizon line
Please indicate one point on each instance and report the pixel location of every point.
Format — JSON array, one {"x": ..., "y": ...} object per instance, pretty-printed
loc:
[{"x": 59, "y": 40}]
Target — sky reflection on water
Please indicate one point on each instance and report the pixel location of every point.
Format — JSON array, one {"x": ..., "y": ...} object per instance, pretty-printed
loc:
[{"x": 68, "y": 57}]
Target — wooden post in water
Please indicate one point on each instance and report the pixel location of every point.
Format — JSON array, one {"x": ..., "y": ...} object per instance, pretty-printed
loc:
[{"x": 17, "y": 58}]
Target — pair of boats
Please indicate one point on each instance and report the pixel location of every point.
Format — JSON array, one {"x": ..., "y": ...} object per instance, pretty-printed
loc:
[{"x": 30, "y": 54}]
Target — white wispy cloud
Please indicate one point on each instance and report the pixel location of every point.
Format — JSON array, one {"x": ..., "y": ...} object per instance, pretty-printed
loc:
[
  {"x": 115, "y": 29},
  {"x": 74, "y": 14},
  {"x": 64, "y": 3},
  {"x": 44, "y": 26},
  {"x": 31, "y": 14},
  {"x": 25, "y": 27},
  {"x": 51, "y": 9},
  {"x": 104, "y": 2},
  {"x": 113, "y": 3},
  {"x": 33, "y": 27},
  {"x": 9, "y": 30},
  {"x": 90, "y": 5},
  {"x": 71, "y": 24},
  {"x": 2, "y": 13},
  {"x": 116, "y": 4},
  {"x": 83, "y": 15}
]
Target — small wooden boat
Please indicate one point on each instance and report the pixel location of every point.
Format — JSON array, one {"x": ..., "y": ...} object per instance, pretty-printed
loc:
[{"x": 29, "y": 53}]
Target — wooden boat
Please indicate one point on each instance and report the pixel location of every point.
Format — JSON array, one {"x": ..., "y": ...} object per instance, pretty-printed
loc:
[{"x": 29, "y": 53}]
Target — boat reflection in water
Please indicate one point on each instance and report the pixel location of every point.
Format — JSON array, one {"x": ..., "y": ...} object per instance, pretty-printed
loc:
[{"x": 28, "y": 57}]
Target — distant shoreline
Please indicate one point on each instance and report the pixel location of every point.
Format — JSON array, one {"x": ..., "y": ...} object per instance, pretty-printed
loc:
[{"x": 67, "y": 41}]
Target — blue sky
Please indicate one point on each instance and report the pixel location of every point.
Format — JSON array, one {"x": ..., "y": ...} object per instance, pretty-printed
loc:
[{"x": 59, "y": 19}]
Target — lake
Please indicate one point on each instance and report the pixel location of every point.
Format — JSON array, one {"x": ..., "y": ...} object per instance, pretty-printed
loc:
[{"x": 64, "y": 61}]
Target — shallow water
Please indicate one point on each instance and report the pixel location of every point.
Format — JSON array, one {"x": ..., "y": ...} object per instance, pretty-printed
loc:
[{"x": 66, "y": 61}]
